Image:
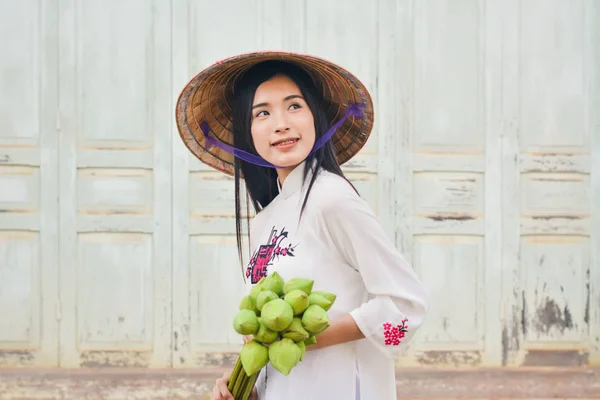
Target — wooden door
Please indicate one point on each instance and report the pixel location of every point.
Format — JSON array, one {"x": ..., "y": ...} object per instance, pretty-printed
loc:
[
  {"x": 28, "y": 185},
  {"x": 115, "y": 144}
]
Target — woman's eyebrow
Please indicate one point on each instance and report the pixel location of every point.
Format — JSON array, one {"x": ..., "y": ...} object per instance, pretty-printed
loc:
[{"x": 291, "y": 96}]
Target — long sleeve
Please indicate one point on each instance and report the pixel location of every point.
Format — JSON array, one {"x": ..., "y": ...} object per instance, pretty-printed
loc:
[{"x": 397, "y": 300}]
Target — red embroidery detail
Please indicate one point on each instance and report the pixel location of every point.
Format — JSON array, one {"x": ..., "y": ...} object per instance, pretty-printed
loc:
[{"x": 394, "y": 334}]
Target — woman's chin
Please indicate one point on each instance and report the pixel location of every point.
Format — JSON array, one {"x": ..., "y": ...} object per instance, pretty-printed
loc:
[{"x": 288, "y": 161}]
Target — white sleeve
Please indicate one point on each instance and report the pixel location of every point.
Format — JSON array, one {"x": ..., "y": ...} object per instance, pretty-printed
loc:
[{"x": 397, "y": 301}]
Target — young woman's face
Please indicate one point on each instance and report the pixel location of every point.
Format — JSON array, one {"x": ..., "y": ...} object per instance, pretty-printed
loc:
[{"x": 283, "y": 128}]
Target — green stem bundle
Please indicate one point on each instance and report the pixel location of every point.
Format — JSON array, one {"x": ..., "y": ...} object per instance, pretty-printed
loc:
[{"x": 240, "y": 385}]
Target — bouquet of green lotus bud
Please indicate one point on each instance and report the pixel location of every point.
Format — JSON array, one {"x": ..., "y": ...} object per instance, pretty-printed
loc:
[{"x": 283, "y": 318}]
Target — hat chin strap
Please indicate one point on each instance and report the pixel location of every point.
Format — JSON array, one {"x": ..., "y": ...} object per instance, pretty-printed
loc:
[{"x": 355, "y": 110}]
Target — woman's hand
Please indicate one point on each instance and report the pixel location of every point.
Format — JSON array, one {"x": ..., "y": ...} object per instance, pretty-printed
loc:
[{"x": 220, "y": 391}]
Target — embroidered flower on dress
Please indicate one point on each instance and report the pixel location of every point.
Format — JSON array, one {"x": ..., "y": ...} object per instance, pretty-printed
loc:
[
  {"x": 394, "y": 334},
  {"x": 264, "y": 256}
]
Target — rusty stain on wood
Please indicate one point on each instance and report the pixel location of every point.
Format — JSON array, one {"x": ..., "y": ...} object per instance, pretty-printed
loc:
[
  {"x": 441, "y": 358},
  {"x": 95, "y": 359},
  {"x": 556, "y": 358}
]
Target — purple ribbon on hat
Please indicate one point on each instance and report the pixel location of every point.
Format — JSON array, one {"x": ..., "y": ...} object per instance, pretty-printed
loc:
[{"x": 355, "y": 110}]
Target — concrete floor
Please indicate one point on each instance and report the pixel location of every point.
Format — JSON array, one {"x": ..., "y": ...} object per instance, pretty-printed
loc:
[{"x": 119, "y": 384}]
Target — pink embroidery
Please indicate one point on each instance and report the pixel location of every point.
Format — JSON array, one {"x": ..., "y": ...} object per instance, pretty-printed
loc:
[
  {"x": 394, "y": 334},
  {"x": 264, "y": 256}
]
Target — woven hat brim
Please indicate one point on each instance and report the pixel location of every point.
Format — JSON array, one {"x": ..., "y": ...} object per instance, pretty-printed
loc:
[{"x": 207, "y": 98}]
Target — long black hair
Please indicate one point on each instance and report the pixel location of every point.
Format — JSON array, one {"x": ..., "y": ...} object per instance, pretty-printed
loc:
[{"x": 261, "y": 182}]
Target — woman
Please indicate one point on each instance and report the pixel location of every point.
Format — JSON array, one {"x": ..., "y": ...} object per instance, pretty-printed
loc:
[{"x": 284, "y": 123}]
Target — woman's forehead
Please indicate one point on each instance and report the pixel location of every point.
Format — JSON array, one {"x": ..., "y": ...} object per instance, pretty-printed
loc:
[{"x": 278, "y": 86}]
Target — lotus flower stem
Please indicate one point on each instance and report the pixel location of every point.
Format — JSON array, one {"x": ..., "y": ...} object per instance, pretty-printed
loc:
[
  {"x": 239, "y": 384},
  {"x": 248, "y": 388},
  {"x": 234, "y": 375}
]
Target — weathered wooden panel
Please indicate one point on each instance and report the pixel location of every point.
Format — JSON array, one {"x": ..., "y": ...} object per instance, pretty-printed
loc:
[
  {"x": 458, "y": 194},
  {"x": 114, "y": 191},
  {"x": 452, "y": 267},
  {"x": 20, "y": 189},
  {"x": 555, "y": 289},
  {"x": 28, "y": 188},
  {"x": 115, "y": 183},
  {"x": 448, "y": 76},
  {"x": 447, "y": 162},
  {"x": 215, "y": 278},
  {"x": 21, "y": 46},
  {"x": 118, "y": 316},
  {"x": 20, "y": 285},
  {"x": 552, "y": 85},
  {"x": 555, "y": 195},
  {"x": 547, "y": 164}
]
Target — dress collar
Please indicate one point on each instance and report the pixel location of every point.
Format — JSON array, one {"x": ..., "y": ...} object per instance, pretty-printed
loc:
[{"x": 294, "y": 181}]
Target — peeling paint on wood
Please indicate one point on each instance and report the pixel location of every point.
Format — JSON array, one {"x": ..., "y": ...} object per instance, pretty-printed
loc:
[
  {"x": 451, "y": 217},
  {"x": 97, "y": 359},
  {"x": 556, "y": 358},
  {"x": 216, "y": 359},
  {"x": 11, "y": 358},
  {"x": 550, "y": 315},
  {"x": 450, "y": 358}
]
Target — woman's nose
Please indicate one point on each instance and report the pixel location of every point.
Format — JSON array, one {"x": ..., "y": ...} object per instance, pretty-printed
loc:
[{"x": 282, "y": 125}]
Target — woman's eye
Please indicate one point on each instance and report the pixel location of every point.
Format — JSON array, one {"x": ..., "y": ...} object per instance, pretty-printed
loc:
[
  {"x": 295, "y": 106},
  {"x": 260, "y": 113}
]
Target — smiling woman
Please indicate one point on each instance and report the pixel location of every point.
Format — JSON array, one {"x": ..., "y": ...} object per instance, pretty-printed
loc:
[{"x": 284, "y": 123}]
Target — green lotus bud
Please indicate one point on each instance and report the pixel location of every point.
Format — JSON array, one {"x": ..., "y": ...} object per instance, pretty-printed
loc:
[
  {"x": 264, "y": 334},
  {"x": 310, "y": 341},
  {"x": 264, "y": 297},
  {"x": 296, "y": 331},
  {"x": 298, "y": 283},
  {"x": 247, "y": 304},
  {"x": 320, "y": 301},
  {"x": 245, "y": 322},
  {"x": 284, "y": 355},
  {"x": 274, "y": 283},
  {"x": 256, "y": 289},
  {"x": 329, "y": 296},
  {"x": 315, "y": 319},
  {"x": 254, "y": 357},
  {"x": 277, "y": 315},
  {"x": 302, "y": 347},
  {"x": 298, "y": 300}
]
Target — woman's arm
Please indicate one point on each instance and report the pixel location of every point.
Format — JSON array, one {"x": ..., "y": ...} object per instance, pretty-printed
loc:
[
  {"x": 397, "y": 300},
  {"x": 341, "y": 330}
]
